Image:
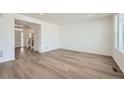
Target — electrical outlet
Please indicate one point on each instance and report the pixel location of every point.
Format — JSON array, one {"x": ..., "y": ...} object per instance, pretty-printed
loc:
[{"x": 1, "y": 53}]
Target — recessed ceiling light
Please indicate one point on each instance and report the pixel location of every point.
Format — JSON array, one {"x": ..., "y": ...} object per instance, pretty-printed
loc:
[{"x": 90, "y": 15}]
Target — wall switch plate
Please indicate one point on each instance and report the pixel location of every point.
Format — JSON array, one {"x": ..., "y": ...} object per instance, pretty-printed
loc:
[{"x": 1, "y": 53}]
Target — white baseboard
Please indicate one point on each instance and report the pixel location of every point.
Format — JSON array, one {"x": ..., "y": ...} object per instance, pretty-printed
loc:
[
  {"x": 97, "y": 53},
  {"x": 120, "y": 66},
  {"x": 119, "y": 59},
  {"x": 6, "y": 60}
]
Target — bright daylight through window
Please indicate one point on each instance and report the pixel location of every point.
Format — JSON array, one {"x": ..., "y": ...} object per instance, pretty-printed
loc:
[{"x": 119, "y": 32}]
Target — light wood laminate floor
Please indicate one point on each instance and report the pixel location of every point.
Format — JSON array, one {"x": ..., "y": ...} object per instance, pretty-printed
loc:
[{"x": 59, "y": 64}]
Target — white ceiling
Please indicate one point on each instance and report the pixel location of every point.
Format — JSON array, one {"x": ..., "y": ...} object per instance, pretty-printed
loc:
[{"x": 66, "y": 18}]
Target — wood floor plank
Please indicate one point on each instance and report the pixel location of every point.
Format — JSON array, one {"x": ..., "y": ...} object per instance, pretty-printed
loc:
[{"x": 59, "y": 64}]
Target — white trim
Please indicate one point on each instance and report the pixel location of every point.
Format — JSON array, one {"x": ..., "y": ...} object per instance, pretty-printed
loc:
[
  {"x": 121, "y": 51},
  {"x": 6, "y": 60},
  {"x": 120, "y": 66},
  {"x": 119, "y": 57}
]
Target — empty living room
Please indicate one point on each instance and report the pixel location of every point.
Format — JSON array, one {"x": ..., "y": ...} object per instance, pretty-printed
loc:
[{"x": 61, "y": 46}]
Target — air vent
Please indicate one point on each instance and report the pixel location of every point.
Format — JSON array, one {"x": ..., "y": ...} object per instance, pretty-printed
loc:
[
  {"x": 1, "y": 53},
  {"x": 115, "y": 69}
]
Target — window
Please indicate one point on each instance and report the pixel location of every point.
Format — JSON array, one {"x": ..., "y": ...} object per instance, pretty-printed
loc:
[
  {"x": 116, "y": 34},
  {"x": 119, "y": 32}
]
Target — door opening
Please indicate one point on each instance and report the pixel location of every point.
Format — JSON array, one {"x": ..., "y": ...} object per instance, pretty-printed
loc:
[{"x": 27, "y": 36}]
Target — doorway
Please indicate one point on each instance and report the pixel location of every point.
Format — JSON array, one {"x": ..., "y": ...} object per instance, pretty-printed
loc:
[{"x": 27, "y": 36}]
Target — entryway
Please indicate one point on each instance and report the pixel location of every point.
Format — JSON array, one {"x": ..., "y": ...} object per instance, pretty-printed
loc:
[{"x": 27, "y": 35}]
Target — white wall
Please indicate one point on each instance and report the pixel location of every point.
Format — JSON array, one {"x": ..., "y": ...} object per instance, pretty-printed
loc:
[
  {"x": 7, "y": 35},
  {"x": 93, "y": 36},
  {"x": 50, "y": 39}
]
